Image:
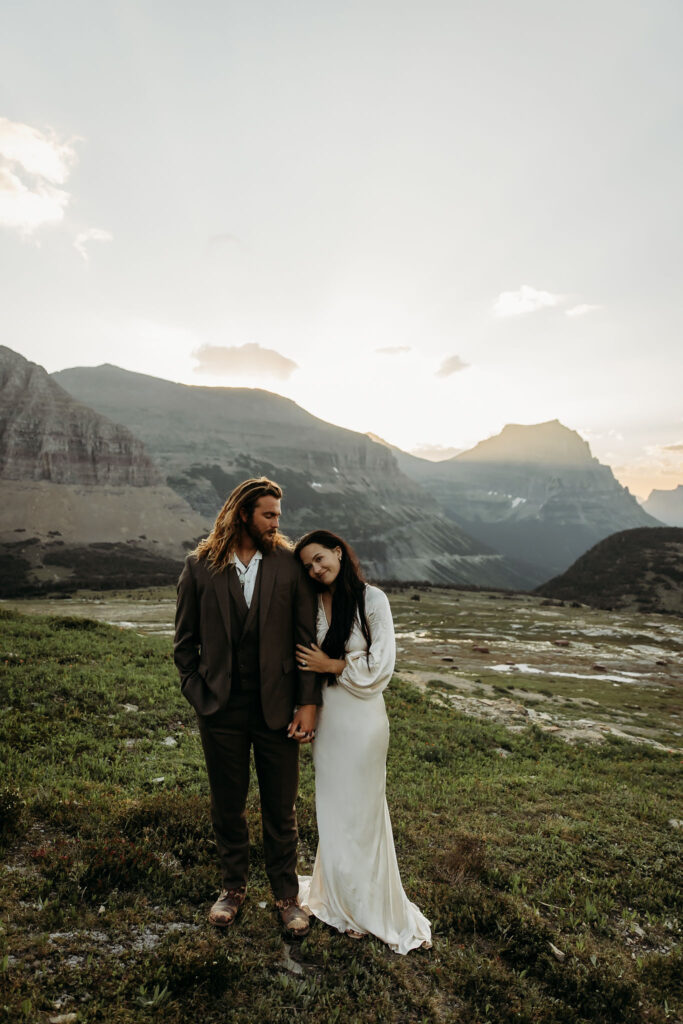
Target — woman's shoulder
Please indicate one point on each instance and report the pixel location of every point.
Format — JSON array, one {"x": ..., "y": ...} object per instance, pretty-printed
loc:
[{"x": 375, "y": 598}]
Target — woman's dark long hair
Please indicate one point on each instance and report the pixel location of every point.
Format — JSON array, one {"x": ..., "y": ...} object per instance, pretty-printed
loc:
[{"x": 348, "y": 597}]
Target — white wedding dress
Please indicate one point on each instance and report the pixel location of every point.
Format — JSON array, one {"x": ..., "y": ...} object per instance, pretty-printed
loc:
[{"x": 356, "y": 883}]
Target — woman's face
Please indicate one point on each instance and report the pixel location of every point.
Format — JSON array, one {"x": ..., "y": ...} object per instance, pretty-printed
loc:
[{"x": 321, "y": 564}]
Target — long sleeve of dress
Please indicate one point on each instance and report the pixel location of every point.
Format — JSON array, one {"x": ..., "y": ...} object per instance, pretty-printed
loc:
[{"x": 367, "y": 673}]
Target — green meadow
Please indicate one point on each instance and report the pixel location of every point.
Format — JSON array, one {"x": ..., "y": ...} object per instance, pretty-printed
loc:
[{"x": 550, "y": 870}]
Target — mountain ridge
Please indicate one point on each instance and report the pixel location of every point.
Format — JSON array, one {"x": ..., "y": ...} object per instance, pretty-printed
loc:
[
  {"x": 636, "y": 569},
  {"x": 549, "y": 443},
  {"x": 547, "y": 503},
  {"x": 206, "y": 440},
  {"x": 666, "y": 505}
]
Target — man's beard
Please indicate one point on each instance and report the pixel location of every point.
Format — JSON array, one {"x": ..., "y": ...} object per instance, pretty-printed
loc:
[{"x": 264, "y": 542}]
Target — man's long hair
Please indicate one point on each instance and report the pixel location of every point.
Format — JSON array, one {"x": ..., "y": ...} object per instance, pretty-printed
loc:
[
  {"x": 226, "y": 533},
  {"x": 348, "y": 598}
]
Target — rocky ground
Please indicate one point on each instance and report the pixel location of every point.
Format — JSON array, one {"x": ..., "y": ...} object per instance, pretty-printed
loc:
[{"x": 578, "y": 672}]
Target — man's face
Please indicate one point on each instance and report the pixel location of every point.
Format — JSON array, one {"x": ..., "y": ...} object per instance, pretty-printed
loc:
[{"x": 263, "y": 523}]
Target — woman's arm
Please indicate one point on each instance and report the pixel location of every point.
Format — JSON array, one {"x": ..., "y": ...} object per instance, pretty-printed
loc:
[
  {"x": 313, "y": 659},
  {"x": 367, "y": 673}
]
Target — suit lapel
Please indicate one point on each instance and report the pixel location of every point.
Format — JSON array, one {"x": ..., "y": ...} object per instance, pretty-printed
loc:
[
  {"x": 269, "y": 572},
  {"x": 240, "y": 606},
  {"x": 220, "y": 582}
]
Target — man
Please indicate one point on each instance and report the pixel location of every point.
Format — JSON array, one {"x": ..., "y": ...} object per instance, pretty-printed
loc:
[{"x": 243, "y": 604}]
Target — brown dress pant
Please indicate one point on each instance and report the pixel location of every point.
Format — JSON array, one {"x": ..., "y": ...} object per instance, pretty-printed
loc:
[{"x": 227, "y": 737}]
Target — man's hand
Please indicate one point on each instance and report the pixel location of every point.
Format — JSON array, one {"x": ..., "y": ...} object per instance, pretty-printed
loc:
[{"x": 302, "y": 726}]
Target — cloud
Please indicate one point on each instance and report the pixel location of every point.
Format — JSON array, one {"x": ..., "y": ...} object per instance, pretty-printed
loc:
[
  {"x": 243, "y": 361},
  {"x": 526, "y": 300},
  {"x": 41, "y": 154},
  {"x": 580, "y": 310},
  {"x": 28, "y": 208},
  {"x": 32, "y": 165},
  {"x": 454, "y": 364},
  {"x": 392, "y": 350},
  {"x": 673, "y": 447},
  {"x": 91, "y": 235}
]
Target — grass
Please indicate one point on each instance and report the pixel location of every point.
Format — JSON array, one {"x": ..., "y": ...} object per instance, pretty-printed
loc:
[{"x": 550, "y": 872}]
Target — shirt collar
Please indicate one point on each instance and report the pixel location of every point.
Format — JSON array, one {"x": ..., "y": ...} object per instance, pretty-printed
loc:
[{"x": 245, "y": 568}]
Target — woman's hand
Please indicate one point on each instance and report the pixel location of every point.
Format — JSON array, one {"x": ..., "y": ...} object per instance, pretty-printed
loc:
[
  {"x": 312, "y": 659},
  {"x": 302, "y": 726}
]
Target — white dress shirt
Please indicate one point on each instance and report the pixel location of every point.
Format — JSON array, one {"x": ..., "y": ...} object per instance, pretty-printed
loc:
[{"x": 246, "y": 574}]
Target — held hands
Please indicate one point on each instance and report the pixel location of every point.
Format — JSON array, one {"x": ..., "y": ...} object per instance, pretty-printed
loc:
[
  {"x": 311, "y": 659},
  {"x": 302, "y": 726}
]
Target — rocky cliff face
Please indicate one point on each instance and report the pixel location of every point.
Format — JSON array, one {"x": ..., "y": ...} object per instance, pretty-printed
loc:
[
  {"x": 533, "y": 492},
  {"x": 206, "y": 440},
  {"x": 666, "y": 506},
  {"x": 83, "y": 505},
  {"x": 46, "y": 435}
]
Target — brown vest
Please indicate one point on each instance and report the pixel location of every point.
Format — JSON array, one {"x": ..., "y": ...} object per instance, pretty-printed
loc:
[{"x": 245, "y": 634}]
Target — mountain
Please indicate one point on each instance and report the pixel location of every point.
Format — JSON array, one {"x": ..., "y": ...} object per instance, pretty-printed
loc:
[
  {"x": 46, "y": 435},
  {"x": 548, "y": 443},
  {"x": 82, "y": 502},
  {"x": 638, "y": 570},
  {"x": 666, "y": 506},
  {"x": 205, "y": 440},
  {"x": 535, "y": 493}
]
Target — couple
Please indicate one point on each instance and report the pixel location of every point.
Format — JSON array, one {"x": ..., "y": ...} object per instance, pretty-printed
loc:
[{"x": 256, "y": 661}]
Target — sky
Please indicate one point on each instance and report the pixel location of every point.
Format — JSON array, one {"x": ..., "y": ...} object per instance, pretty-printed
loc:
[{"x": 421, "y": 219}]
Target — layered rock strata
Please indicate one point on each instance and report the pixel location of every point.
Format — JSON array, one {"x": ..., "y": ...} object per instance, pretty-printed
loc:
[
  {"x": 46, "y": 435},
  {"x": 83, "y": 505}
]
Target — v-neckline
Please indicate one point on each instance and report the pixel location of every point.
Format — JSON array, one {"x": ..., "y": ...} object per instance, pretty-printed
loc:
[{"x": 322, "y": 608}]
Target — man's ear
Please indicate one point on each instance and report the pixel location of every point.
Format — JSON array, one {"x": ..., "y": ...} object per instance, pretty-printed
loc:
[{"x": 243, "y": 515}]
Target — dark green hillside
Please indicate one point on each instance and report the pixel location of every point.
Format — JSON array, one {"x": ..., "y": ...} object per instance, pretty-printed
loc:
[
  {"x": 638, "y": 569},
  {"x": 550, "y": 872},
  {"x": 32, "y": 567}
]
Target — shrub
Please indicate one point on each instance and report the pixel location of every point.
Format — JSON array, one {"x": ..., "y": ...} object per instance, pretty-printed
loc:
[{"x": 71, "y": 622}]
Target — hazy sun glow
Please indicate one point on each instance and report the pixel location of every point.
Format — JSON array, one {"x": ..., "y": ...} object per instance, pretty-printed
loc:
[{"x": 306, "y": 204}]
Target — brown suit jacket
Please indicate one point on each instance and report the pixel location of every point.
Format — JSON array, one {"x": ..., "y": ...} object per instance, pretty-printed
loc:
[{"x": 202, "y": 648}]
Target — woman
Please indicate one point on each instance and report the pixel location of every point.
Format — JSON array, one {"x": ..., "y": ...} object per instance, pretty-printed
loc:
[{"x": 355, "y": 886}]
